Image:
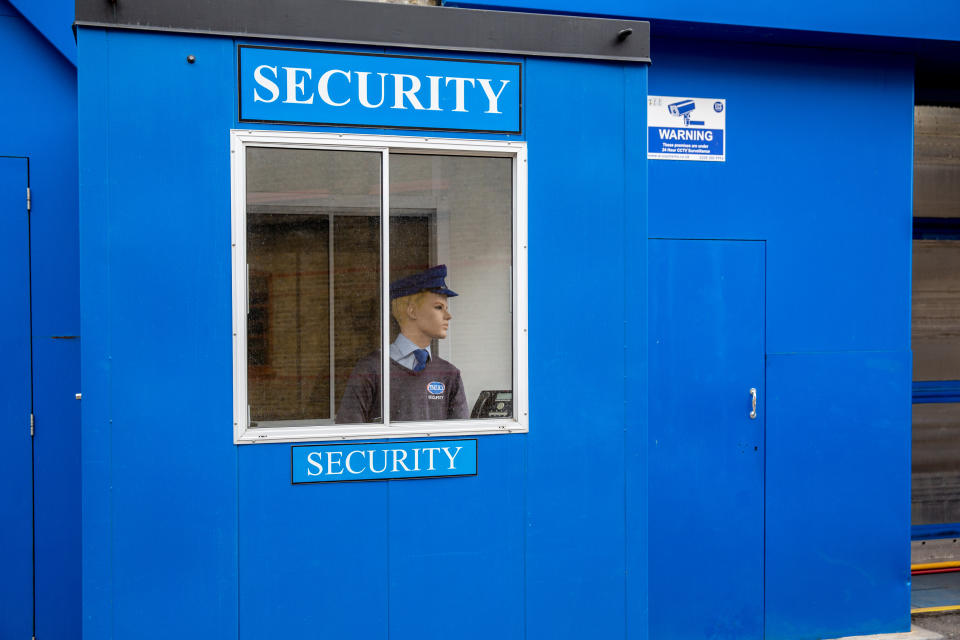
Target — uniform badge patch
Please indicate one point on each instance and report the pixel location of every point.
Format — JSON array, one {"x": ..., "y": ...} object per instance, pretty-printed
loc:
[{"x": 435, "y": 388}]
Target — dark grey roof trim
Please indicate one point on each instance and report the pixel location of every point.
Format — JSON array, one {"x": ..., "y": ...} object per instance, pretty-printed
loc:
[{"x": 380, "y": 24}]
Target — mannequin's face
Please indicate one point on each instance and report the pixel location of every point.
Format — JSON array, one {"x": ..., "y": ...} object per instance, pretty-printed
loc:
[{"x": 431, "y": 317}]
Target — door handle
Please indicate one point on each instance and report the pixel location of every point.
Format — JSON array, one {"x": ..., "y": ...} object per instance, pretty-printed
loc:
[{"x": 753, "y": 403}]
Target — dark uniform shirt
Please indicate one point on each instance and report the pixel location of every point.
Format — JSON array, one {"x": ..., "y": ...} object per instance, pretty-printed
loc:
[{"x": 435, "y": 393}]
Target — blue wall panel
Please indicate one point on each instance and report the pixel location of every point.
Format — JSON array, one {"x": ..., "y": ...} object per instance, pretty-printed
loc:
[
  {"x": 42, "y": 125},
  {"x": 38, "y": 121},
  {"x": 95, "y": 446},
  {"x": 16, "y": 510},
  {"x": 457, "y": 544},
  {"x": 56, "y": 480},
  {"x": 819, "y": 164},
  {"x": 635, "y": 353},
  {"x": 159, "y": 320},
  {"x": 170, "y": 340},
  {"x": 52, "y": 18},
  {"x": 831, "y": 195},
  {"x": 838, "y": 494},
  {"x": 575, "y": 510},
  {"x": 313, "y": 557}
]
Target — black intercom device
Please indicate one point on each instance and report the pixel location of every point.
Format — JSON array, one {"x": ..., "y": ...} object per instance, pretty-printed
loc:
[{"x": 493, "y": 404}]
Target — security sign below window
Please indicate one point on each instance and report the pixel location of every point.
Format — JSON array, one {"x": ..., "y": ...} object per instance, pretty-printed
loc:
[{"x": 681, "y": 128}]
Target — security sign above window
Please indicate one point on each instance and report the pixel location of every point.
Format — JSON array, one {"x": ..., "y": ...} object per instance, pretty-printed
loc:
[
  {"x": 320, "y": 87},
  {"x": 681, "y": 128}
]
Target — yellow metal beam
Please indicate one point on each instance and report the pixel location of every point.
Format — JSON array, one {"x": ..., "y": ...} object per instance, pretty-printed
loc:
[
  {"x": 952, "y": 607},
  {"x": 935, "y": 565}
]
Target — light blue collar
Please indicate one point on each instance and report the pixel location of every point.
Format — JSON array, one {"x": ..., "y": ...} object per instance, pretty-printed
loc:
[{"x": 402, "y": 351}]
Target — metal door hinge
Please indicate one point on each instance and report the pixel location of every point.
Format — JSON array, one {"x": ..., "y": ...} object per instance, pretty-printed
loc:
[
  {"x": 32, "y": 422},
  {"x": 28, "y": 198}
]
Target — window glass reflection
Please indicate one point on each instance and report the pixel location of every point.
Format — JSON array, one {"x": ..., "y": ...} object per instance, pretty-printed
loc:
[
  {"x": 451, "y": 243},
  {"x": 313, "y": 243}
]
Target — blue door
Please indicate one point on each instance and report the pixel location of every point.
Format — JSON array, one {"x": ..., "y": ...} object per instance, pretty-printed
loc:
[
  {"x": 16, "y": 450},
  {"x": 706, "y": 439}
]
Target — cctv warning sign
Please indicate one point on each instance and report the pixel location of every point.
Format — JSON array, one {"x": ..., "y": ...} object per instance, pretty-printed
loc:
[{"x": 681, "y": 128}]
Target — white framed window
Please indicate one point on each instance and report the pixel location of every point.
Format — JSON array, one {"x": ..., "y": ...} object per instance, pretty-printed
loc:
[{"x": 379, "y": 286}]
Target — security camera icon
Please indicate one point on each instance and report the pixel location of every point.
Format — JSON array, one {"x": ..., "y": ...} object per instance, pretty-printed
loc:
[{"x": 683, "y": 109}]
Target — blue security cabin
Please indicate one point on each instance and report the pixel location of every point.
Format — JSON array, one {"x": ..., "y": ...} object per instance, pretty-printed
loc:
[
  {"x": 40, "y": 324},
  {"x": 663, "y": 389},
  {"x": 250, "y": 189}
]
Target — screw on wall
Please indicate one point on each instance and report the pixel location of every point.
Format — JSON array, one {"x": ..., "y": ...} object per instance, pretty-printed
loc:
[{"x": 191, "y": 58}]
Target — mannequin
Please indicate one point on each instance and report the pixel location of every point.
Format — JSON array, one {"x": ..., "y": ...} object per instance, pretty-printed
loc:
[{"x": 423, "y": 386}]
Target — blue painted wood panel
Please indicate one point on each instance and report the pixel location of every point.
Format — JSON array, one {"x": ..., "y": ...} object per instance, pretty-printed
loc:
[
  {"x": 16, "y": 464},
  {"x": 838, "y": 494},
  {"x": 575, "y": 535},
  {"x": 706, "y": 452}
]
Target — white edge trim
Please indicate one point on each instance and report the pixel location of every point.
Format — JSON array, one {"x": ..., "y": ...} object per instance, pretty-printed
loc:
[{"x": 239, "y": 140}]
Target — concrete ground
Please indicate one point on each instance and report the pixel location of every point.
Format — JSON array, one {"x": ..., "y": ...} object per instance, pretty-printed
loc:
[
  {"x": 946, "y": 624},
  {"x": 926, "y": 626}
]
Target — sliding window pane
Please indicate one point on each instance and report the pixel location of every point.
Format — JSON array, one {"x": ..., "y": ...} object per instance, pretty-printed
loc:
[
  {"x": 313, "y": 241},
  {"x": 451, "y": 259}
]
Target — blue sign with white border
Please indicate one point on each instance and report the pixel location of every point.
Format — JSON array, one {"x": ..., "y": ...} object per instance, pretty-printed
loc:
[
  {"x": 382, "y": 460},
  {"x": 305, "y": 86},
  {"x": 680, "y": 128}
]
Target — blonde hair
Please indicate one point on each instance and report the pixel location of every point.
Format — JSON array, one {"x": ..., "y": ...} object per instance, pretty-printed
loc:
[{"x": 398, "y": 306}]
